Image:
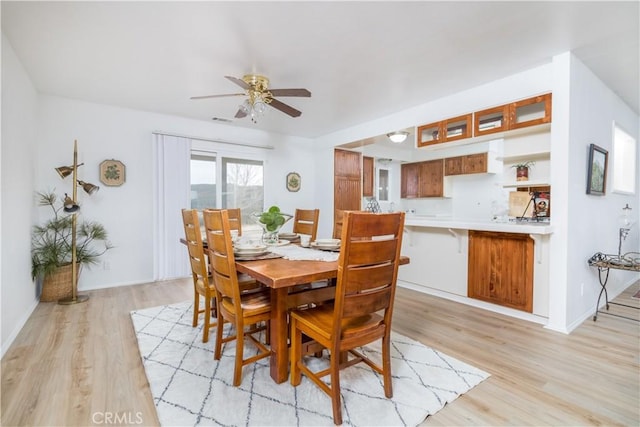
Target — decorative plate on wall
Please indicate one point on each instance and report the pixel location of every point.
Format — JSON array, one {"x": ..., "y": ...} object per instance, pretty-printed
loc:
[
  {"x": 293, "y": 181},
  {"x": 112, "y": 173}
]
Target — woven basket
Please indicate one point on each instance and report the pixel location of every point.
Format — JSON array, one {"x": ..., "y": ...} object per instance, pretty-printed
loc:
[{"x": 58, "y": 285}]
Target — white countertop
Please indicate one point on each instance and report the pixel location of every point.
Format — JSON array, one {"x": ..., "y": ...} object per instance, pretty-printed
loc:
[{"x": 471, "y": 224}]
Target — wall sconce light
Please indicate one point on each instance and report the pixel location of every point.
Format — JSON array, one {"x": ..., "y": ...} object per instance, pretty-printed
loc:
[{"x": 398, "y": 137}]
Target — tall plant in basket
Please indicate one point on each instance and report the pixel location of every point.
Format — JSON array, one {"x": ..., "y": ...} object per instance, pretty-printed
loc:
[{"x": 51, "y": 248}]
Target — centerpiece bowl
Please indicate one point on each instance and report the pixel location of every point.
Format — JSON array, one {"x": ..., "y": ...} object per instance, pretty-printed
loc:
[{"x": 271, "y": 222}]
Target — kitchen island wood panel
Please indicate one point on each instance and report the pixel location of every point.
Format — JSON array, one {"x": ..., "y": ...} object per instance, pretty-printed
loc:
[{"x": 501, "y": 269}]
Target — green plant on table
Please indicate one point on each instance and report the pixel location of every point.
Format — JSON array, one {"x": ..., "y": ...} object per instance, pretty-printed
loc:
[{"x": 272, "y": 219}]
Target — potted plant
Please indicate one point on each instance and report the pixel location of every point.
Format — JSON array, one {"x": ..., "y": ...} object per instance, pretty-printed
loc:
[
  {"x": 51, "y": 245},
  {"x": 271, "y": 221},
  {"x": 522, "y": 170}
]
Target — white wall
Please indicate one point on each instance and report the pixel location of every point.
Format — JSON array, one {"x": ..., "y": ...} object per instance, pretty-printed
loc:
[
  {"x": 592, "y": 221},
  {"x": 19, "y": 111},
  {"x": 105, "y": 132}
]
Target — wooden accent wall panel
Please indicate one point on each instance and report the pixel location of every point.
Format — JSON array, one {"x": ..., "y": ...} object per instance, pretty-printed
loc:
[{"x": 501, "y": 269}]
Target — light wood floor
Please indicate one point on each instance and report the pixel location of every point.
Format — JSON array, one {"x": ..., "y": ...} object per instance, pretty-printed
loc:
[{"x": 79, "y": 365}]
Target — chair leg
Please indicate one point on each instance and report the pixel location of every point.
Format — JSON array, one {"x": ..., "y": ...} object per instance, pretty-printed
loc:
[
  {"x": 237, "y": 372},
  {"x": 207, "y": 319},
  {"x": 335, "y": 390},
  {"x": 386, "y": 365},
  {"x": 296, "y": 353},
  {"x": 219, "y": 330},
  {"x": 196, "y": 309}
]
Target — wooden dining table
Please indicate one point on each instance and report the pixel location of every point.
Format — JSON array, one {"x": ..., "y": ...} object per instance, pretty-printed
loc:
[{"x": 282, "y": 276}]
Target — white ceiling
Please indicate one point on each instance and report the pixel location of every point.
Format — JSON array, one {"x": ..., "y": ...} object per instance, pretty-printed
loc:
[{"x": 360, "y": 60}]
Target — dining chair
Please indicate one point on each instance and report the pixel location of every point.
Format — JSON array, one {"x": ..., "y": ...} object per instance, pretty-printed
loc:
[
  {"x": 338, "y": 216},
  {"x": 239, "y": 308},
  {"x": 202, "y": 285},
  {"x": 363, "y": 306},
  {"x": 305, "y": 221},
  {"x": 235, "y": 219}
]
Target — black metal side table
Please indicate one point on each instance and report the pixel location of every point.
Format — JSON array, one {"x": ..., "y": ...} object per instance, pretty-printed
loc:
[{"x": 603, "y": 262}]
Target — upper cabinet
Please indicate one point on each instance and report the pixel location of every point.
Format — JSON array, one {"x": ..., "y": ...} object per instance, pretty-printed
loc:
[
  {"x": 422, "y": 179},
  {"x": 465, "y": 165},
  {"x": 445, "y": 131},
  {"x": 516, "y": 115},
  {"x": 367, "y": 176},
  {"x": 530, "y": 112},
  {"x": 491, "y": 120}
]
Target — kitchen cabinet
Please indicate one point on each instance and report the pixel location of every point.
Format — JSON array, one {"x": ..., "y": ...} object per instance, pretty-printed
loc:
[
  {"x": 447, "y": 130},
  {"x": 367, "y": 176},
  {"x": 530, "y": 112},
  {"x": 491, "y": 120},
  {"x": 431, "y": 178},
  {"x": 409, "y": 181},
  {"x": 516, "y": 115},
  {"x": 464, "y": 165},
  {"x": 500, "y": 269},
  {"x": 422, "y": 179},
  {"x": 347, "y": 183}
]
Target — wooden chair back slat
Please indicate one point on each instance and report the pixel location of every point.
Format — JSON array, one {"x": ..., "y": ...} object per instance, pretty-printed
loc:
[{"x": 305, "y": 221}]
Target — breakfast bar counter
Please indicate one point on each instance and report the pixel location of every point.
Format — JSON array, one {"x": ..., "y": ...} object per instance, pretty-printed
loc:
[
  {"x": 537, "y": 228},
  {"x": 440, "y": 250}
]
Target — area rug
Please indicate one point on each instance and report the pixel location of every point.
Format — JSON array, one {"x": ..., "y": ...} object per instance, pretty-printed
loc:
[{"x": 190, "y": 388}]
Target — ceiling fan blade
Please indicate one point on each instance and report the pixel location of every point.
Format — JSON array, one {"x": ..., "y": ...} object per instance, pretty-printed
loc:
[
  {"x": 240, "y": 114},
  {"x": 217, "y": 96},
  {"x": 238, "y": 81},
  {"x": 290, "y": 92},
  {"x": 284, "y": 108}
]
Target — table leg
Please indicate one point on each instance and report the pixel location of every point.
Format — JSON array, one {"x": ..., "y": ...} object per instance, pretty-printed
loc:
[
  {"x": 603, "y": 284},
  {"x": 279, "y": 361}
]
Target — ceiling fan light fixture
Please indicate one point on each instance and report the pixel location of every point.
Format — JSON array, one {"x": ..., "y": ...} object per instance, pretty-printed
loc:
[
  {"x": 245, "y": 107},
  {"x": 398, "y": 137}
]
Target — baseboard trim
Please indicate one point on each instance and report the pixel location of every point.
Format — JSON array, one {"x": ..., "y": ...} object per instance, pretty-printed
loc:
[{"x": 475, "y": 303}]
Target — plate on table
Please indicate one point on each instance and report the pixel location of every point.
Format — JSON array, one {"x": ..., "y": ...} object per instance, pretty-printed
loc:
[
  {"x": 288, "y": 236},
  {"x": 326, "y": 243},
  {"x": 326, "y": 246},
  {"x": 252, "y": 249}
]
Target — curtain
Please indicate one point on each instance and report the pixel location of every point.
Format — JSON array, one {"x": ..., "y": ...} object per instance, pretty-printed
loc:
[{"x": 172, "y": 157}]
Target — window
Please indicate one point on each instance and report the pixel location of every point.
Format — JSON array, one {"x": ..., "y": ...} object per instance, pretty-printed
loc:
[
  {"x": 203, "y": 181},
  {"x": 624, "y": 161},
  {"x": 383, "y": 184},
  {"x": 242, "y": 183},
  {"x": 243, "y": 186}
]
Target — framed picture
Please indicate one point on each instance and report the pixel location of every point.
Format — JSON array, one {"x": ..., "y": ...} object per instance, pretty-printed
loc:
[
  {"x": 112, "y": 173},
  {"x": 293, "y": 181},
  {"x": 597, "y": 174}
]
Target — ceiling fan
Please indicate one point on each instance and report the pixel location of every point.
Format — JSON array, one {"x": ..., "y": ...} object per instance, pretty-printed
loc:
[{"x": 259, "y": 96}]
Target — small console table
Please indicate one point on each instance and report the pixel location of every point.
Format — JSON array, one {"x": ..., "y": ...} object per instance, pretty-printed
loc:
[{"x": 603, "y": 262}]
